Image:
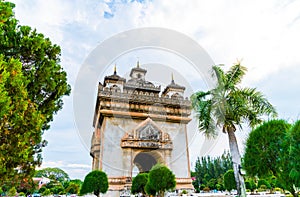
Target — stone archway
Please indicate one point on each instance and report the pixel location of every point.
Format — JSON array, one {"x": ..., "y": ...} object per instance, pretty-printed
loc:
[{"x": 144, "y": 161}]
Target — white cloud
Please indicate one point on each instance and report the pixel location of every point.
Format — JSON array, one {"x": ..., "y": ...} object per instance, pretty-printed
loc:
[
  {"x": 79, "y": 166},
  {"x": 263, "y": 34}
]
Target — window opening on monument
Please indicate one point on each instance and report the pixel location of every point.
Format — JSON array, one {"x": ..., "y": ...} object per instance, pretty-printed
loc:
[{"x": 144, "y": 162}]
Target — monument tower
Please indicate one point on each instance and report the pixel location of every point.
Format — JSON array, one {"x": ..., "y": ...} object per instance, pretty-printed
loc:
[{"x": 136, "y": 126}]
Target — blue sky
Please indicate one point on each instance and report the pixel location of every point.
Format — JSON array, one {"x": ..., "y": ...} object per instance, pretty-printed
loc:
[{"x": 263, "y": 34}]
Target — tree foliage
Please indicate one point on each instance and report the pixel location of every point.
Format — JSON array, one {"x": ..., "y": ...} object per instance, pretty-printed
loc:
[
  {"x": 263, "y": 147},
  {"x": 60, "y": 187},
  {"x": 209, "y": 171},
  {"x": 263, "y": 182},
  {"x": 294, "y": 153},
  {"x": 160, "y": 179},
  {"x": 138, "y": 183},
  {"x": 96, "y": 182},
  {"x": 12, "y": 191},
  {"x": 272, "y": 150},
  {"x": 46, "y": 192},
  {"x": 20, "y": 125},
  {"x": 53, "y": 173},
  {"x": 73, "y": 188},
  {"x": 288, "y": 175},
  {"x": 229, "y": 180},
  {"x": 228, "y": 106},
  {"x": 250, "y": 184},
  {"x": 32, "y": 84}
]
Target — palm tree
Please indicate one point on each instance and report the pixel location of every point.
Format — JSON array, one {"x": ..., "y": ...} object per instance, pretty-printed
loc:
[{"x": 228, "y": 106}]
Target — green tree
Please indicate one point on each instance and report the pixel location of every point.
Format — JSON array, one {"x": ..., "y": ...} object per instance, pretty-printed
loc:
[
  {"x": 263, "y": 182},
  {"x": 138, "y": 183},
  {"x": 12, "y": 191},
  {"x": 20, "y": 125},
  {"x": 289, "y": 160},
  {"x": 76, "y": 181},
  {"x": 160, "y": 179},
  {"x": 209, "y": 171},
  {"x": 229, "y": 106},
  {"x": 150, "y": 190},
  {"x": 229, "y": 180},
  {"x": 53, "y": 173},
  {"x": 27, "y": 186},
  {"x": 263, "y": 147},
  {"x": 250, "y": 184},
  {"x": 40, "y": 62},
  {"x": 96, "y": 181},
  {"x": 46, "y": 192},
  {"x": 294, "y": 152},
  {"x": 58, "y": 189},
  {"x": 73, "y": 188},
  {"x": 268, "y": 153},
  {"x": 42, "y": 189},
  {"x": 28, "y": 105},
  {"x": 55, "y": 187}
]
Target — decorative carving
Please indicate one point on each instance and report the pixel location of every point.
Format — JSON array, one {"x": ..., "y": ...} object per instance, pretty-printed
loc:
[{"x": 147, "y": 135}]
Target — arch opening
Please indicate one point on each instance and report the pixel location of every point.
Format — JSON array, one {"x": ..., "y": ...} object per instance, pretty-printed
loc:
[{"x": 144, "y": 161}]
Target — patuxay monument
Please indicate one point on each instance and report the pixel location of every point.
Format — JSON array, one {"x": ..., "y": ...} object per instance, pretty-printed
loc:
[{"x": 137, "y": 125}]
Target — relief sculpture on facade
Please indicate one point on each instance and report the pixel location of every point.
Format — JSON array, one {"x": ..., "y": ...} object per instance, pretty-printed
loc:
[{"x": 147, "y": 135}]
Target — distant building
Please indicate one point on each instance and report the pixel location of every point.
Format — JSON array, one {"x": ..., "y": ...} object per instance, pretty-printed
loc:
[
  {"x": 136, "y": 126},
  {"x": 41, "y": 181}
]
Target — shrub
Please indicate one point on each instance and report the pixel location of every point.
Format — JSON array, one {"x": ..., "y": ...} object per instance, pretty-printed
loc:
[
  {"x": 277, "y": 189},
  {"x": 184, "y": 192},
  {"x": 46, "y": 192},
  {"x": 263, "y": 182},
  {"x": 263, "y": 187},
  {"x": 96, "y": 181},
  {"x": 12, "y": 191},
  {"x": 206, "y": 189}
]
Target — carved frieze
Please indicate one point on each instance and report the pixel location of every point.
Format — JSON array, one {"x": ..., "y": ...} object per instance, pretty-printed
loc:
[{"x": 147, "y": 135}]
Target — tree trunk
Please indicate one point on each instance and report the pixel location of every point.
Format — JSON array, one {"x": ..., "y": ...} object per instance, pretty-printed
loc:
[{"x": 236, "y": 161}]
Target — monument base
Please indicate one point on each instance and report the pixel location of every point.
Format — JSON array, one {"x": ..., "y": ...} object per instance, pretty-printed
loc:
[{"x": 120, "y": 186}]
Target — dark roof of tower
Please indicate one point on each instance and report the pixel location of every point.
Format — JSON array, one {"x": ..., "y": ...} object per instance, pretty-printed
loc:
[
  {"x": 173, "y": 85},
  {"x": 113, "y": 77},
  {"x": 137, "y": 69},
  {"x": 140, "y": 84}
]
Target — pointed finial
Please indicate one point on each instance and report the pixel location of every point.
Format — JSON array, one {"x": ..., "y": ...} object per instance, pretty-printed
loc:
[
  {"x": 138, "y": 64},
  {"x": 172, "y": 78},
  {"x": 115, "y": 69}
]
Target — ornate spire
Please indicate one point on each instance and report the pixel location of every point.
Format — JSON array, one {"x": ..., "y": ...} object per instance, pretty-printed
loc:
[
  {"x": 115, "y": 69},
  {"x": 138, "y": 64},
  {"x": 172, "y": 76}
]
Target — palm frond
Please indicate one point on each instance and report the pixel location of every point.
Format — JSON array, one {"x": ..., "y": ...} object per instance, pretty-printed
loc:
[
  {"x": 229, "y": 106},
  {"x": 256, "y": 106},
  {"x": 203, "y": 108},
  {"x": 234, "y": 75},
  {"x": 219, "y": 74}
]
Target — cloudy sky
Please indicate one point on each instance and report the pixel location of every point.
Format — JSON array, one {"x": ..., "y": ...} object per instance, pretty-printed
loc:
[{"x": 263, "y": 34}]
